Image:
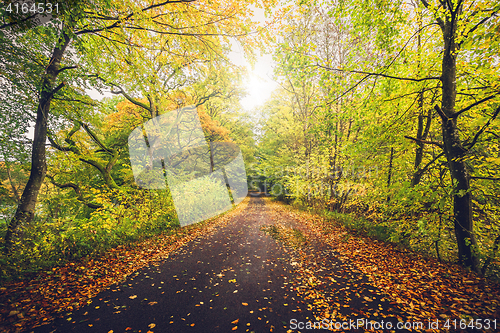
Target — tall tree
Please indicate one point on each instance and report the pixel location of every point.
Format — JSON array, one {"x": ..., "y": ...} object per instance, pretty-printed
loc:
[{"x": 91, "y": 43}]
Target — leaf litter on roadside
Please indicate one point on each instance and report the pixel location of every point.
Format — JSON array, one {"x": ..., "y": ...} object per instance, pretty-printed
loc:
[
  {"x": 405, "y": 285},
  {"x": 61, "y": 290}
]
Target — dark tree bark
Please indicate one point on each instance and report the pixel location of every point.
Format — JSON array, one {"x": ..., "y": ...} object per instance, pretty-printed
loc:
[
  {"x": 26, "y": 208},
  {"x": 453, "y": 146}
]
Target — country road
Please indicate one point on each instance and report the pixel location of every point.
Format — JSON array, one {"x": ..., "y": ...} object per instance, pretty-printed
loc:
[
  {"x": 261, "y": 267},
  {"x": 236, "y": 279}
]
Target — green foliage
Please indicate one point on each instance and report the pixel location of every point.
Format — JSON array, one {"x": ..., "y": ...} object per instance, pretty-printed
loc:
[
  {"x": 50, "y": 240},
  {"x": 360, "y": 86}
]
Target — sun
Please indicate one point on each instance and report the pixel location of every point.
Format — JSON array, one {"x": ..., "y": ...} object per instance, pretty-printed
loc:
[{"x": 259, "y": 86}]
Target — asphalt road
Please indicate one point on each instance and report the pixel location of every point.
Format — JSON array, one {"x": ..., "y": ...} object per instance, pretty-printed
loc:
[{"x": 237, "y": 279}]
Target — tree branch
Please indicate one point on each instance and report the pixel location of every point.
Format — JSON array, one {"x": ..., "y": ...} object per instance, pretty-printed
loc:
[
  {"x": 124, "y": 19},
  {"x": 478, "y": 134},
  {"x": 439, "y": 144},
  {"x": 443, "y": 116},
  {"x": 56, "y": 89},
  {"x": 422, "y": 170},
  {"x": 77, "y": 190},
  {"x": 130, "y": 98},
  {"x": 456, "y": 114},
  {"x": 379, "y": 74},
  {"x": 438, "y": 19},
  {"x": 487, "y": 178},
  {"x": 6, "y": 25},
  {"x": 105, "y": 171},
  {"x": 477, "y": 26},
  {"x": 65, "y": 68},
  {"x": 96, "y": 139},
  {"x": 72, "y": 147}
]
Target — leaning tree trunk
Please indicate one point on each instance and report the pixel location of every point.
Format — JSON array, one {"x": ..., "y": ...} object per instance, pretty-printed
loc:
[
  {"x": 454, "y": 150},
  {"x": 26, "y": 207}
]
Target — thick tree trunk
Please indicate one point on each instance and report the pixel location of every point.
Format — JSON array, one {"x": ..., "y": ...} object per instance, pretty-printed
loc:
[
  {"x": 454, "y": 151},
  {"x": 26, "y": 207}
]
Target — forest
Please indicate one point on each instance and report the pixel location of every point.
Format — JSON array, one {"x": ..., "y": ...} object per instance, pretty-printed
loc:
[{"x": 385, "y": 119}]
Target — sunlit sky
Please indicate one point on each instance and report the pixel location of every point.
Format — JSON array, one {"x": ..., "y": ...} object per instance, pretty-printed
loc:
[{"x": 259, "y": 84}]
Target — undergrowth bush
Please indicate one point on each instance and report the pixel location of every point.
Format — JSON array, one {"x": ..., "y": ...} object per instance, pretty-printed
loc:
[{"x": 50, "y": 241}]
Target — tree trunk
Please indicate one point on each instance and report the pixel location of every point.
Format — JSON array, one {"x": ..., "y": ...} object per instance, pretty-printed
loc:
[
  {"x": 419, "y": 153},
  {"x": 389, "y": 172},
  {"x": 454, "y": 151},
  {"x": 14, "y": 189},
  {"x": 421, "y": 133},
  {"x": 26, "y": 207}
]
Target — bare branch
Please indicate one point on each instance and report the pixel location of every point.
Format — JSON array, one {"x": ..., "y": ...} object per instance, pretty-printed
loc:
[
  {"x": 65, "y": 68},
  {"x": 56, "y": 89},
  {"x": 443, "y": 116}
]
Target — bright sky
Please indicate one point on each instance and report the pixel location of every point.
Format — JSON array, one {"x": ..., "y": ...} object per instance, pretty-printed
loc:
[{"x": 260, "y": 83}]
